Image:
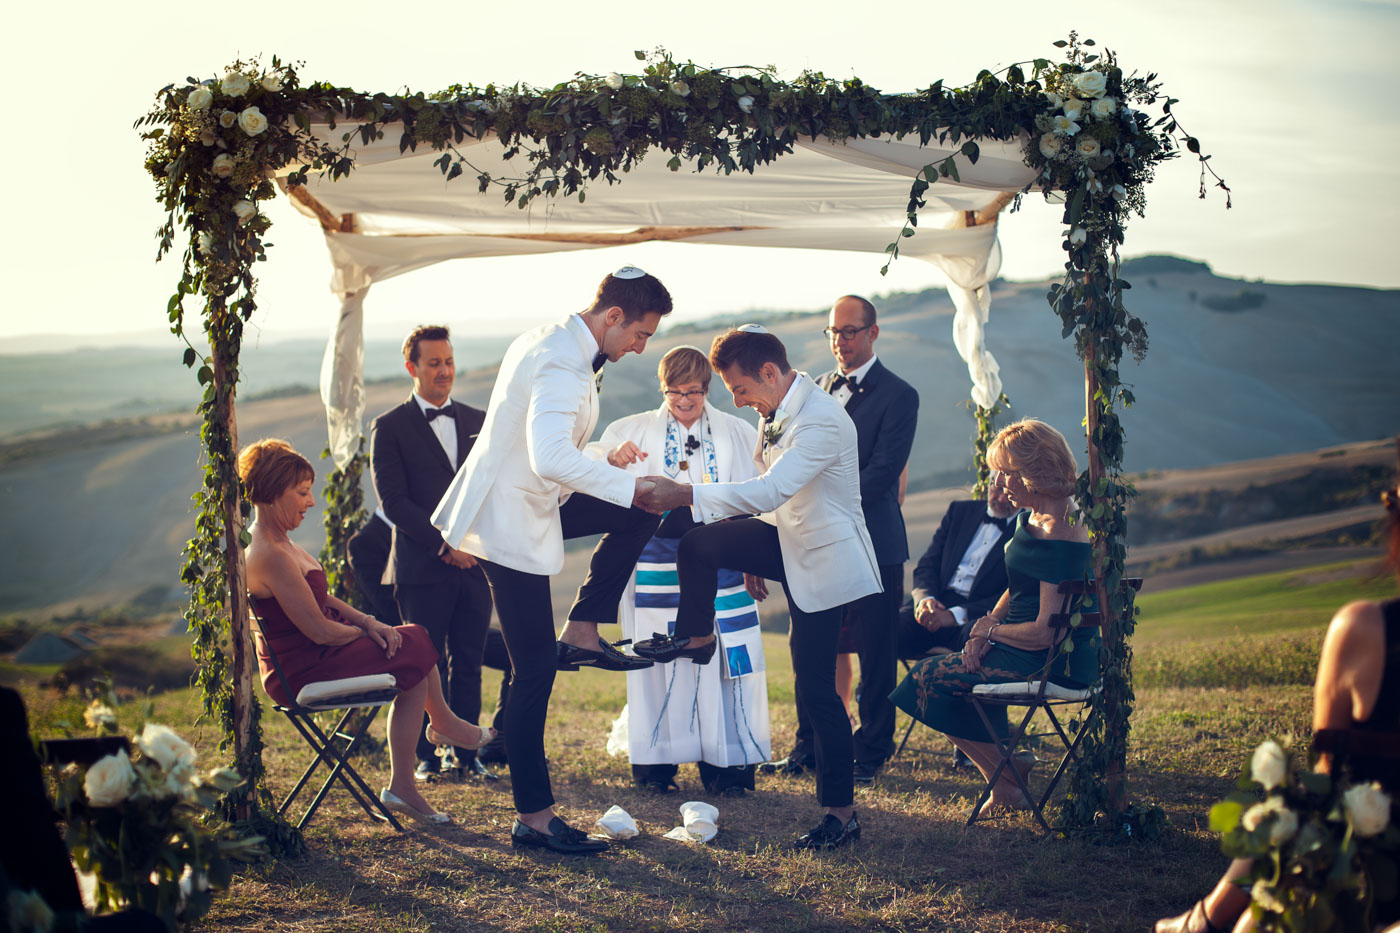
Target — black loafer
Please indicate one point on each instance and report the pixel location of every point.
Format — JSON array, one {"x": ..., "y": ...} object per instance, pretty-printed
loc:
[
  {"x": 476, "y": 768},
  {"x": 663, "y": 649},
  {"x": 565, "y": 839},
  {"x": 865, "y": 774},
  {"x": 606, "y": 658},
  {"x": 785, "y": 767},
  {"x": 829, "y": 833}
]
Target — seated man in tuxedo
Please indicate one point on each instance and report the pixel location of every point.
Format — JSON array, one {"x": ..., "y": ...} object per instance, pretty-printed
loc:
[
  {"x": 961, "y": 575},
  {"x": 814, "y": 542}
]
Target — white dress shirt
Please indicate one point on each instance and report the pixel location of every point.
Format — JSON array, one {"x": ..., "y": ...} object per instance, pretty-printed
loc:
[
  {"x": 843, "y": 394},
  {"x": 977, "y": 550},
  {"x": 444, "y": 426}
]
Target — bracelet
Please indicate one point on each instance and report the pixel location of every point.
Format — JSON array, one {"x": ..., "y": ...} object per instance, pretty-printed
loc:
[{"x": 993, "y": 629}]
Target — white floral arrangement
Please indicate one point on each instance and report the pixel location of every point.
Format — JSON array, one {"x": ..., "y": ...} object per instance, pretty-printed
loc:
[
  {"x": 773, "y": 430},
  {"x": 1324, "y": 851},
  {"x": 139, "y": 822}
]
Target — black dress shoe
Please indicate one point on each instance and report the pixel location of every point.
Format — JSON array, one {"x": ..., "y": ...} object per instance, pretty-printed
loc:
[
  {"x": 494, "y": 754},
  {"x": 663, "y": 649},
  {"x": 865, "y": 774},
  {"x": 426, "y": 772},
  {"x": 606, "y": 658},
  {"x": 659, "y": 787},
  {"x": 565, "y": 839},
  {"x": 829, "y": 833},
  {"x": 477, "y": 769},
  {"x": 784, "y": 767}
]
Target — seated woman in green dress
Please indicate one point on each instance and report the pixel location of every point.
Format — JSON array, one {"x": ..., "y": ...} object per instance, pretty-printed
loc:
[{"x": 1008, "y": 644}]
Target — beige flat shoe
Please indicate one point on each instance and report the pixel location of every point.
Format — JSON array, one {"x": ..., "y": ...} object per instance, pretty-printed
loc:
[
  {"x": 486, "y": 737},
  {"x": 393, "y": 801}
]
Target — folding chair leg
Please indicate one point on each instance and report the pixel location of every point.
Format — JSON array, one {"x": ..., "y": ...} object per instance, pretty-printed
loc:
[
  {"x": 1006, "y": 748},
  {"x": 336, "y": 760},
  {"x": 1071, "y": 750},
  {"x": 905, "y": 741}
]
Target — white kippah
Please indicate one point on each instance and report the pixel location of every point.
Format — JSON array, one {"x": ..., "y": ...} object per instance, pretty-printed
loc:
[
  {"x": 628, "y": 272},
  {"x": 752, "y": 329}
]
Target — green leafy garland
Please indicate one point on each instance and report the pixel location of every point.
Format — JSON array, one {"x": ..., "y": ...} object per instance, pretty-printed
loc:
[
  {"x": 214, "y": 144},
  {"x": 345, "y": 513},
  {"x": 986, "y": 430}
]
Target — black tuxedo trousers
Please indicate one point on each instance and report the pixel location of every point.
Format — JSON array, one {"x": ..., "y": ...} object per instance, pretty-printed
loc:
[
  {"x": 751, "y": 546},
  {"x": 527, "y": 621}
]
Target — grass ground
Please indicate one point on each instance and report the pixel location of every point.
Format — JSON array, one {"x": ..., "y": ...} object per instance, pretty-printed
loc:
[{"x": 916, "y": 868}]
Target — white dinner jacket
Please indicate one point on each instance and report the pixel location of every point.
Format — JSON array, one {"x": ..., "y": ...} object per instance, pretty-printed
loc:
[
  {"x": 503, "y": 504},
  {"x": 811, "y": 485}
]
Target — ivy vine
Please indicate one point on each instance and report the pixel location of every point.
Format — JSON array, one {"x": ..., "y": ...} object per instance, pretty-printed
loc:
[
  {"x": 214, "y": 143},
  {"x": 344, "y": 514}
]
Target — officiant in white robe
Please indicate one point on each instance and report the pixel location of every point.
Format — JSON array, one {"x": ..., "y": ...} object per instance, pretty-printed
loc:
[{"x": 714, "y": 714}]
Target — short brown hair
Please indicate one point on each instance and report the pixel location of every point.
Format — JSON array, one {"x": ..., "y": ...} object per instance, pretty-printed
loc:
[
  {"x": 682, "y": 366},
  {"x": 1038, "y": 453},
  {"x": 418, "y": 335},
  {"x": 749, "y": 350},
  {"x": 269, "y": 466},
  {"x": 636, "y": 297}
]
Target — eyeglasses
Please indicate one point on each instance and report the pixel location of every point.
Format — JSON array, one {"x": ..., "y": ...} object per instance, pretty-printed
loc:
[
  {"x": 845, "y": 333},
  {"x": 676, "y": 395}
]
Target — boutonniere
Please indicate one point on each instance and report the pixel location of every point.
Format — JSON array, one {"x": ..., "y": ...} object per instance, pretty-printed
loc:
[{"x": 773, "y": 430}]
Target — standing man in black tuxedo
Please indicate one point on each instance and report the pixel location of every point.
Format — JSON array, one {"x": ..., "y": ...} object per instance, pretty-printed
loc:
[
  {"x": 961, "y": 575},
  {"x": 415, "y": 450},
  {"x": 885, "y": 410}
]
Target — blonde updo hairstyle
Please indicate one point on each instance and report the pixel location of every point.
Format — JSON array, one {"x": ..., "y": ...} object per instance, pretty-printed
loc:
[
  {"x": 683, "y": 365},
  {"x": 1038, "y": 454},
  {"x": 269, "y": 466}
]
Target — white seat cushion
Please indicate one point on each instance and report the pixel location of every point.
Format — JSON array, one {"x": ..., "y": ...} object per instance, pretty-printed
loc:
[
  {"x": 368, "y": 690},
  {"x": 1026, "y": 690}
]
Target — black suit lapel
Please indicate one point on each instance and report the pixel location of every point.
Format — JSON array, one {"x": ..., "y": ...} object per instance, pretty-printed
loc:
[
  {"x": 995, "y": 558},
  {"x": 466, "y": 432},
  {"x": 865, "y": 386},
  {"x": 969, "y": 520},
  {"x": 425, "y": 435}
]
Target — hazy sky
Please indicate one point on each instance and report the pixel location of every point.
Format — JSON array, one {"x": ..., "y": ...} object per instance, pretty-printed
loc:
[{"x": 1296, "y": 100}]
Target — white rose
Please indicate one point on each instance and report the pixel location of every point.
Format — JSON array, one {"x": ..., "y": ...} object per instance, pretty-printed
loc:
[
  {"x": 1255, "y": 816},
  {"x": 1104, "y": 107},
  {"x": 1263, "y": 894},
  {"x": 746, "y": 103},
  {"x": 1285, "y": 825},
  {"x": 1090, "y": 84},
  {"x": 1054, "y": 100},
  {"x": 1064, "y": 126},
  {"x": 200, "y": 99},
  {"x": 613, "y": 80},
  {"x": 109, "y": 781},
  {"x": 1050, "y": 145},
  {"x": 680, "y": 88},
  {"x": 235, "y": 84},
  {"x": 207, "y": 137},
  {"x": 1077, "y": 236},
  {"x": 205, "y": 243},
  {"x": 222, "y": 166},
  {"x": 227, "y": 119},
  {"x": 244, "y": 211},
  {"x": 1088, "y": 147},
  {"x": 1269, "y": 766},
  {"x": 29, "y": 911},
  {"x": 1368, "y": 808},
  {"x": 252, "y": 121},
  {"x": 1074, "y": 109},
  {"x": 1119, "y": 192},
  {"x": 272, "y": 82},
  {"x": 99, "y": 715},
  {"x": 161, "y": 743}
]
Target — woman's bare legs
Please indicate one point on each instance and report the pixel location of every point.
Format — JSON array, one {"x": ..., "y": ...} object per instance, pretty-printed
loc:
[
  {"x": 1006, "y": 792},
  {"x": 405, "y": 719}
]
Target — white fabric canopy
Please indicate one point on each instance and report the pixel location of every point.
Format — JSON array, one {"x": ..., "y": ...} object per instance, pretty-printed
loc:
[{"x": 847, "y": 195}]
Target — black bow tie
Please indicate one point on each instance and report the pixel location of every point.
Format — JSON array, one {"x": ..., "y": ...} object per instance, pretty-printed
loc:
[
  {"x": 599, "y": 360},
  {"x": 841, "y": 380},
  {"x": 1001, "y": 523},
  {"x": 431, "y": 413}
]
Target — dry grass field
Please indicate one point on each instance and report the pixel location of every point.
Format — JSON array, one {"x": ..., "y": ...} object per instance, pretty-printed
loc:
[{"x": 917, "y": 867}]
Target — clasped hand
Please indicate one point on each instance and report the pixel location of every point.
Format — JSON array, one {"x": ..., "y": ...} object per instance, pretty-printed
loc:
[
  {"x": 932, "y": 614},
  {"x": 657, "y": 494}
]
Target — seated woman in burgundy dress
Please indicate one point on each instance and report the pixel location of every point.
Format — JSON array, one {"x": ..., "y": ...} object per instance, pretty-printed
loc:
[{"x": 318, "y": 637}]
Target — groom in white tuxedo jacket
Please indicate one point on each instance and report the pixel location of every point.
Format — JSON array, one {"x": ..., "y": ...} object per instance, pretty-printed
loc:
[
  {"x": 525, "y": 487},
  {"x": 811, "y": 537}
]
